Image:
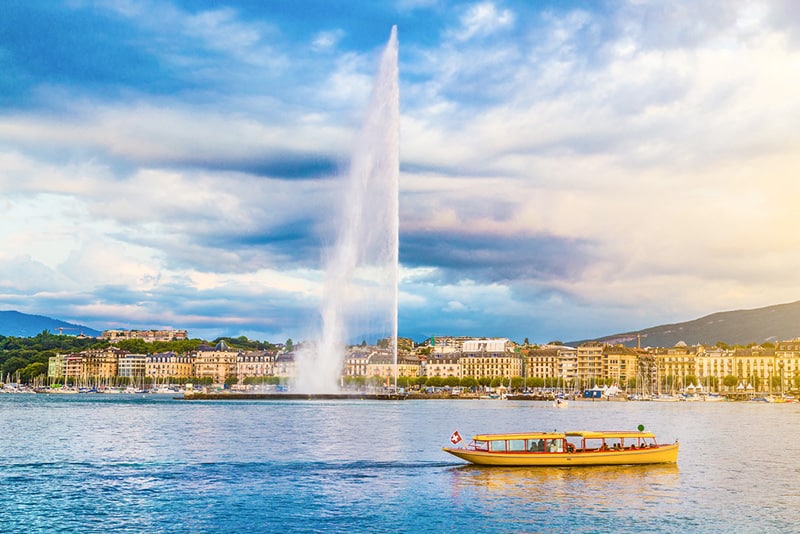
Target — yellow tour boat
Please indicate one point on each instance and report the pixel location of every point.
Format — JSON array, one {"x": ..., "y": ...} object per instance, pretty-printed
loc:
[{"x": 554, "y": 449}]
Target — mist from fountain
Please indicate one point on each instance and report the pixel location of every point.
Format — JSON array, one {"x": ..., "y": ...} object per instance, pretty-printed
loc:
[{"x": 362, "y": 267}]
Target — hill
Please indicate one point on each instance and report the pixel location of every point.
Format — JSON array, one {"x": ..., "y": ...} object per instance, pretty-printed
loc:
[
  {"x": 739, "y": 327},
  {"x": 14, "y": 323}
]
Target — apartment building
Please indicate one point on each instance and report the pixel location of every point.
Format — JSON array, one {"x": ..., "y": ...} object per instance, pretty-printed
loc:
[
  {"x": 217, "y": 363},
  {"x": 165, "y": 365},
  {"x": 255, "y": 363},
  {"x": 490, "y": 358}
]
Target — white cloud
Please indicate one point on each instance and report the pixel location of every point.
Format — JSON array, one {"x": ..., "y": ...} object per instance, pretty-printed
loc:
[
  {"x": 327, "y": 40},
  {"x": 483, "y": 19}
]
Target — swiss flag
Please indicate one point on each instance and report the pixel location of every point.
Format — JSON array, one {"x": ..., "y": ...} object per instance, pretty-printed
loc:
[{"x": 455, "y": 437}]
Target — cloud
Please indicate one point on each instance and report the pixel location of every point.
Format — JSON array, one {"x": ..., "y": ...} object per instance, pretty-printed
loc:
[
  {"x": 482, "y": 19},
  {"x": 565, "y": 172},
  {"x": 327, "y": 40}
]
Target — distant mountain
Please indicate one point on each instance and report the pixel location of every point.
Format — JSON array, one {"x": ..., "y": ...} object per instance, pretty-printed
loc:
[
  {"x": 740, "y": 327},
  {"x": 14, "y": 323}
]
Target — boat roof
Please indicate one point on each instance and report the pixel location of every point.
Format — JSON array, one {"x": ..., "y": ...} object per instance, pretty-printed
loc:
[
  {"x": 609, "y": 434},
  {"x": 522, "y": 435},
  {"x": 586, "y": 434}
]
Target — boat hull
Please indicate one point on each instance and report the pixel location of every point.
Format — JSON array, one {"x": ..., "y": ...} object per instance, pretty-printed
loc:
[{"x": 663, "y": 454}]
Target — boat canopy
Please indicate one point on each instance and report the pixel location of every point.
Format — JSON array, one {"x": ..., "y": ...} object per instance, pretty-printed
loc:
[
  {"x": 591, "y": 434},
  {"x": 524, "y": 435}
]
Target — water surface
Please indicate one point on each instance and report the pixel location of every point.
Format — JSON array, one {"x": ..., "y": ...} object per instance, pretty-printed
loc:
[{"x": 147, "y": 463}]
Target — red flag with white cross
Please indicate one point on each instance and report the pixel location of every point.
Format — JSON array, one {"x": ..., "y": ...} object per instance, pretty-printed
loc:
[{"x": 455, "y": 438}]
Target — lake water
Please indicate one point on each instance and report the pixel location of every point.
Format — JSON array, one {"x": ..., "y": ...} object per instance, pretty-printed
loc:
[{"x": 114, "y": 463}]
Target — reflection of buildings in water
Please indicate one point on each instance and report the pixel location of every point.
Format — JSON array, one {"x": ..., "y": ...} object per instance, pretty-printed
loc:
[{"x": 621, "y": 487}]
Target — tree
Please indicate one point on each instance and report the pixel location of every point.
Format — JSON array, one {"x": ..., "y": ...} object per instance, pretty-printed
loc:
[
  {"x": 12, "y": 365},
  {"x": 452, "y": 381},
  {"x": 526, "y": 342},
  {"x": 31, "y": 371},
  {"x": 730, "y": 381},
  {"x": 289, "y": 345},
  {"x": 470, "y": 382},
  {"x": 135, "y": 346},
  {"x": 231, "y": 380},
  {"x": 535, "y": 382},
  {"x": 435, "y": 381}
]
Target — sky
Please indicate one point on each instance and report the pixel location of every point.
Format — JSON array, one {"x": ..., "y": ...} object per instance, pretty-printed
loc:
[{"x": 569, "y": 169}]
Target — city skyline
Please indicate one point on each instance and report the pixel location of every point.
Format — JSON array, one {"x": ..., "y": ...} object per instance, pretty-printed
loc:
[{"x": 569, "y": 170}]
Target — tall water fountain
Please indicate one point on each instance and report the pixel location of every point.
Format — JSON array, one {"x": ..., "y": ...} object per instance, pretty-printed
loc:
[{"x": 361, "y": 285}]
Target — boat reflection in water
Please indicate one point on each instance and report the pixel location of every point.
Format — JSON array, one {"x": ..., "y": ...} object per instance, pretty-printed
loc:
[{"x": 600, "y": 487}]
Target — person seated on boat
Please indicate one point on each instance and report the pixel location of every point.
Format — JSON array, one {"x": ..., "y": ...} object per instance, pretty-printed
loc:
[
  {"x": 633, "y": 446},
  {"x": 604, "y": 447},
  {"x": 553, "y": 447}
]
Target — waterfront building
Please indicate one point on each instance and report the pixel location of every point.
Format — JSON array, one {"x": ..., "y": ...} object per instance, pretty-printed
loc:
[
  {"x": 148, "y": 336},
  {"x": 555, "y": 364},
  {"x": 441, "y": 364},
  {"x": 163, "y": 366},
  {"x": 542, "y": 363},
  {"x": 93, "y": 364},
  {"x": 567, "y": 369},
  {"x": 787, "y": 355},
  {"x": 490, "y": 358},
  {"x": 674, "y": 365},
  {"x": 285, "y": 365},
  {"x": 217, "y": 363},
  {"x": 713, "y": 365},
  {"x": 619, "y": 365},
  {"x": 756, "y": 367},
  {"x": 356, "y": 361},
  {"x": 381, "y": 363},
  {"x": 132, "y": 366},
  {"x": 590, "y": 363},
  {"x": 255, "y": 363},
  {"x": 57, "y": 366}
]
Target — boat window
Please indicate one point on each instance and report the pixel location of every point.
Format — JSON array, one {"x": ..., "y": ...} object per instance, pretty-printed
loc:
[
  {"x": 594, "y": 444},
  {"x": 497, "y": 445},
  {"x": 481, "y": 445},
  {"x": 516, "y": 445},
  {"x": 614, "y": 443},
  {"x": 536, "y": 445},
  {"x": 574, "y": 444},
  {"x": 555, "y": 445}
]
